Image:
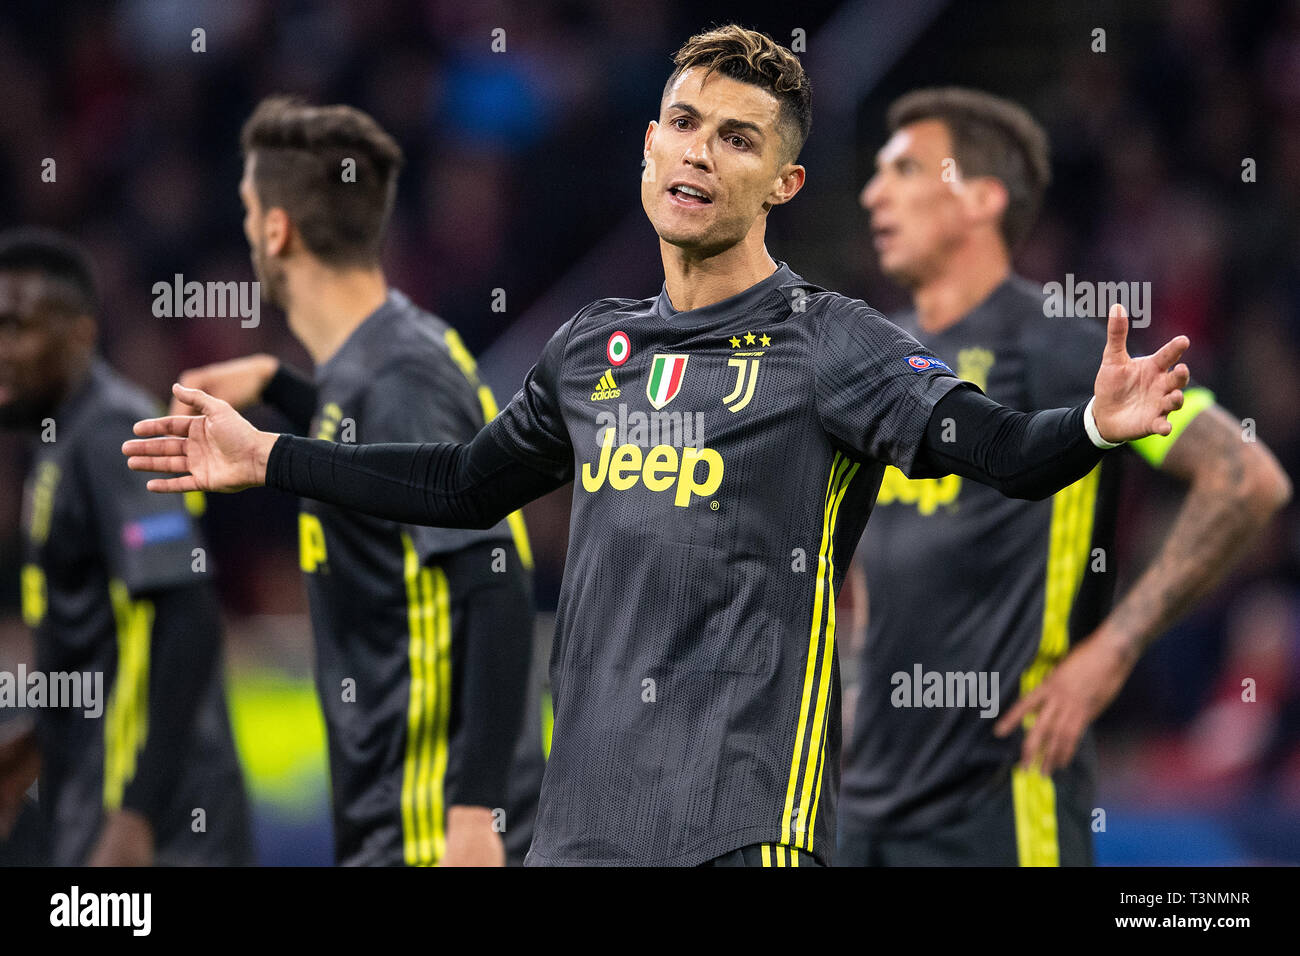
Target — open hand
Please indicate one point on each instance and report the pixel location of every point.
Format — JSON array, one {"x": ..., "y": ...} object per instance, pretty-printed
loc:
[
  {"x": 215, "y": 449},
  {"x": 1134, "y": 396}
]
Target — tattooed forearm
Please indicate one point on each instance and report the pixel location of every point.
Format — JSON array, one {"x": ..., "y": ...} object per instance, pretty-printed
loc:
[{"x": 1235, "y": 488}]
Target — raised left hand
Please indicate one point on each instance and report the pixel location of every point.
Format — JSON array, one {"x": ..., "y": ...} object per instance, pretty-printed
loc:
[{"x": 1134, "y": 396}]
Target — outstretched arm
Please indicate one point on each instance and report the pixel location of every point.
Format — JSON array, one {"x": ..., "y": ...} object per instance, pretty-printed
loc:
[
  {"x": 1033, "y": 455},
  {"x": 447, "y": 484},
  {"x": 520, "y": 455},
  {"x": 1021, "y": 455}
]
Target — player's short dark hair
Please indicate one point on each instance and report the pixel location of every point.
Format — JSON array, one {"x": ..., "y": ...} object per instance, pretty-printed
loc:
[
  {"x": 62, "y": 262},
  {"x": 991, "y": 136},
  {"x": 302, "y": 152},
  {"x": 753, "y": 57}
]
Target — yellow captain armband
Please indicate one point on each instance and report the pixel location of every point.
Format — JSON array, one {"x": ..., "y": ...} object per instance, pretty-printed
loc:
[{"x": 1154, "y": 448}]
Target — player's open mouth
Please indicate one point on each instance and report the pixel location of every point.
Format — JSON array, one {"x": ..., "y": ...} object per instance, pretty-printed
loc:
[
  {"x": 689, "y": 195},
  {"x": 882, "y": 234}
]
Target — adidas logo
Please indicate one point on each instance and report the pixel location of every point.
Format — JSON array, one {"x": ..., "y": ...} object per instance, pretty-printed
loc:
[{"x": 605, "y": 388}]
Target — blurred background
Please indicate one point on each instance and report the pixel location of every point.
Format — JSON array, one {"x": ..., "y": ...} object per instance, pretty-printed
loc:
[{"x": 522, "y": 172}]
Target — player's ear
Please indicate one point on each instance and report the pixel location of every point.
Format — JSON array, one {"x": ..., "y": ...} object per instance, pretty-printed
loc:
[
  {"x": 275, "y": 231},
  {"x": 647, "y": 169},
  {"x": 986, "y": 199},
  {"x": 789, "y": 181}
]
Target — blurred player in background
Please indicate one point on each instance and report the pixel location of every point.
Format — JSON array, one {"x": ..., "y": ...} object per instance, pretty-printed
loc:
[
  {"x": 963, "y": 580},
  {"x": 423, "y": 635},
  {"x": 694, "y": 671},
  {"x": 113, "y": 585}
]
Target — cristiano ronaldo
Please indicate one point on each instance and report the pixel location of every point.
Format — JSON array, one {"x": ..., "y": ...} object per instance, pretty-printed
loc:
[{"x": 694, "y": 670}]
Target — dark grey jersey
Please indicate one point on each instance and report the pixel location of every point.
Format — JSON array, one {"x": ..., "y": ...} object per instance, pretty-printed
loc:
[
  {"x": 963, "y": 581},
  {"x": 725, "y": 460},
  {"x": 105, "y": 561},
  {"x": 382, "y": 606}
]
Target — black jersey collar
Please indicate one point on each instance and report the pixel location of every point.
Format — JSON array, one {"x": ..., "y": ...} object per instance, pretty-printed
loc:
[{"x": 740, "y": 303}]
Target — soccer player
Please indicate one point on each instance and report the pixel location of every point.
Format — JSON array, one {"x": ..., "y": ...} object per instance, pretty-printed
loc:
[
  {"x": 963, "y": 581},
  {"x": 726, "y": 440},
  {"x": 117, "y": 591},
  {"x": 423, "y": 635}
]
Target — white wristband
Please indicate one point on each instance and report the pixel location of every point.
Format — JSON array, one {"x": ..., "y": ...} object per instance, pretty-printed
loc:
[{"x": 1090, "y": 426}]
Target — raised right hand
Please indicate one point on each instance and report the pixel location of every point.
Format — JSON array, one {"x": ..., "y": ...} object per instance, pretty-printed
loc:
[
  {"x": 213, "y": 449},
  {"x": 239, "y": 381}
]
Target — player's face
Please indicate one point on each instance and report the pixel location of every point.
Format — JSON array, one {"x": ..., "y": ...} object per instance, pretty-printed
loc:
[
  {"x": 34, "y": 349},
  {"x": 269, "y": 273},
  {"x": 715, "y": 162},
  {"x": 917, "y": 216}
]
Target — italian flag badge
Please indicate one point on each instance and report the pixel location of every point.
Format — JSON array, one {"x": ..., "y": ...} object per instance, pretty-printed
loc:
[{"x": 665, "y": 380}]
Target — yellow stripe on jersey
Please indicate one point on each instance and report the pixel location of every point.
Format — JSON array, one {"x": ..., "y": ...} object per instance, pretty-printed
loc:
[
  {"x": 412, "y": 819},
  {"x": 817, "y": 791},
  {"x": 1034, "y": 796},
  {"x": 767, "y": 854},
  {"x": 812, "y": 771},
  {"x": 1154, "y": 448},
  {"x": 436, "y": 586},
  {"x": 518, "y": 530},
  {"x": 429, "y": 703},
  {"x": 548, "y": 722},
  {"x": 428, "y": 710},
  {"x": 1073, "y": 511},
  {"x": 34, "y": 596},
  {"x": 126, "y": 716},
  {"x": 43, "y": 488},
  {"x": 469, "y": 368},
  {"x": 801, "y": 767}
]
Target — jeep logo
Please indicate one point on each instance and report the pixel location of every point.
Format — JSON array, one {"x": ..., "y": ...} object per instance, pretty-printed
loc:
[{"x": 659, "y": 469}]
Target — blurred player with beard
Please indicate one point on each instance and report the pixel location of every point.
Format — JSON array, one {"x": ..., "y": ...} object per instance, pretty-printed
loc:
[
  {"x": 109, "y": 587},
  {"x": 965, "y": 581},
  {"x": 694, "y": 670},
  {"x": 423, "y": 635}
]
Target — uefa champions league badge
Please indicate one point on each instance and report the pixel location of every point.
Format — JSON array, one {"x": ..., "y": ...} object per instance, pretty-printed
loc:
[
  {"x": 919, "y": 363},
  {"x": 618, "y": 349}
]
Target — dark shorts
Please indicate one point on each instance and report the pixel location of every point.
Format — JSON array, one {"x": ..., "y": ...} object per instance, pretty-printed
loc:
[
  {"x": 764, "y": 854},
  {"x": 1020, "y": 819}
]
